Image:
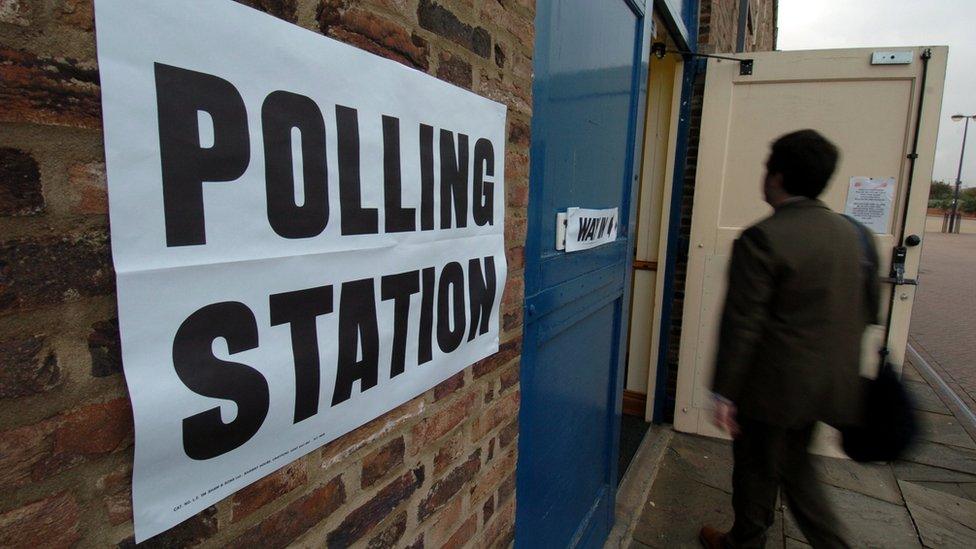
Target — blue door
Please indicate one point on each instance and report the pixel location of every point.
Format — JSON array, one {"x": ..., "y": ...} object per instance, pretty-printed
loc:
[{"x": 590, "y": 76}]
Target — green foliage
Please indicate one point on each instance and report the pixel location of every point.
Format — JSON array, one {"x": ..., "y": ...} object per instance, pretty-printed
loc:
[{"x": 940, "y": 190}]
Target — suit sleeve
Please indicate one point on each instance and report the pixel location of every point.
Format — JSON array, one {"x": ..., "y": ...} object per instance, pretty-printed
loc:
[{"x": 746, "y": 312}]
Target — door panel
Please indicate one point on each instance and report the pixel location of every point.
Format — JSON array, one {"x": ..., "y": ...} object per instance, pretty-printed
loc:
[
  {"x": 590, "y": 71},
  {"x": 869, "y": 111}
]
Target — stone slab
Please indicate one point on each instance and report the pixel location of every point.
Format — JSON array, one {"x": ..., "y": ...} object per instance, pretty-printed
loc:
[
  {"x": 944, "y": 430},
  {"x": 873, "y": 480},
  {"x": 943, "y": 520},
  {"x": 940, "y": 455},
  {"x": 868, "y": 522},
  {"x": 917, "y": 472},
  {"x": 706, "y": 459},
  {"x": 924, "y": 398}
]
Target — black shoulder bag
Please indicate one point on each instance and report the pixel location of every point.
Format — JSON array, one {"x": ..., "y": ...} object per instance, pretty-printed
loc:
[{"x": 889, "y": 424}]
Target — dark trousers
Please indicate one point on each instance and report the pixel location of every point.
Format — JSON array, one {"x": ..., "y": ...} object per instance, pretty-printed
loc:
[{"x": 768, "y": 458}]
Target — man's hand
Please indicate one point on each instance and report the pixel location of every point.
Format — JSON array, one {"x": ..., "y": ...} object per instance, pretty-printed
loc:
[{"x": 725, "y": 412}]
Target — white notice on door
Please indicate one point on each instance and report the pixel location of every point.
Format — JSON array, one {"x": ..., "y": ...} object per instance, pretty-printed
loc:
[
  {"x": 587, "y": 229},
  {"x": 869, "y": 201}
]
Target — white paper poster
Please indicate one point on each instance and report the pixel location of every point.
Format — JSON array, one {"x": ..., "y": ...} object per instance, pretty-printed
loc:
[
  {"x": 305, "y": 236},
  {"x": 587, "y": 229},
  {"x": 869, "y": 201}
]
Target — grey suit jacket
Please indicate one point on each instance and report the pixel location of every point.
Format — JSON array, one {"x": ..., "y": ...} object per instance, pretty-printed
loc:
[{"x": 797, "y": 306}]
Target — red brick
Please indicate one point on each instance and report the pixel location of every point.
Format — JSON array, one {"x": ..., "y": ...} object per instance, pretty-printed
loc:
[
  {"x": 282, "y": 9},
  {"x": 499, "y": 56},
  {"x": 514, "y": 23},
  {"x": 353, "y": 441},
  {"x": 506, "y": 352},
  {"x": 77, "y": 13},
  {"x": 508, "y": 433},
  {"x": 515, "y": 255},
  {"x": 390, "y": 535},
  {"x": 509, "y": 376},
  {"x": 268, "y": 489},
  {"x": 47, "y": 90},
  {"x": 440, "y": 20},
  {"x": 28, "y": 366},
  {"x": 493, "y": 476},
  {"x": 49, "y": 270},
  {"x": 448, "y": 453},
  {"x": 440, "y": 423},
  {"x": 454, "y": 69},
  {"x": 105, "y": 348},
  {"x": 34, "y": 452},
  {"x": 119, "y": 507},
  {"x": 515, "y": 231},
  {"x": 447, "y": 520},
  {"x": 449, "y": 386},
  {"x": 192, "y": 531},
  {"x": 15, "y": 12},
  {"x": 380, "y": 462},
  {"x": 519, "y": 132},
  {"x": 359, "y": 522},
  {"x": 464, "y": 533},
  {"x": 502, "y": 412},
  {"x": 517, "y": 192},
  {"x": 373, "y": 33},
  {"x": 518, "y": 96},
  {"x": 86, "y": 433},
  {"x": 516, "y": 167},
  {"x": 444, "y": 489},
  {"x": 50, "y": 522},
  {"x": 87, "y": 179},
  {"x": 506, "y": 489},
  {"x": 488, "y": 509},
  {"x": 513, "y": 298},
  {"x": 281, "y": 528},
  {"x": 501, "y": 529},
  {"x": 20, "y": 184}
]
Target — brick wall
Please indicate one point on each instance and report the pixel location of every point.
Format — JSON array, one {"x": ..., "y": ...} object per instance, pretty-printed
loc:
[
  {"x": 718, "y": 26},
  {"x": 438, "y": 470}
]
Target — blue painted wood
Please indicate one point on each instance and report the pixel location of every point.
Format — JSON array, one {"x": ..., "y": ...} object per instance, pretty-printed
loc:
[{"x": 588, "y": 100}]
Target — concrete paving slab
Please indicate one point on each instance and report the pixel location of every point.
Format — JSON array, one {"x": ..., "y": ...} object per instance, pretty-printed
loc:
[
  {"x": 909, "y": 373},
  {"x": 944, "y": 430},
  {"x": 679, "y": 505},
  {"x": 706, "y": 459},
  {"x": 943, "y": 520},
  {"x": 868, "y": 522},
  {"x": 940, "y": 455},
  {"x": 917, "y": 472},
  {"x": 795, "y": 544},
  {"x": 924, "y": 398},
  {"x": 952, "y": 488},
  {"x": 873, "y": 480}
]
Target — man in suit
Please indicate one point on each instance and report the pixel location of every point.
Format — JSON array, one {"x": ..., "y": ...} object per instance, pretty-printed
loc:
[{"x": 799, "y": 300}]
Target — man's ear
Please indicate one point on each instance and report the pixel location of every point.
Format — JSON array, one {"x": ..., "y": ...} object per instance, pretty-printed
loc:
[{"x": 775, "y": 181}]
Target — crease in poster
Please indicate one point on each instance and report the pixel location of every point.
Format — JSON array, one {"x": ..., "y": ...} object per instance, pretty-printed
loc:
[{"x": 305, "y": 236}]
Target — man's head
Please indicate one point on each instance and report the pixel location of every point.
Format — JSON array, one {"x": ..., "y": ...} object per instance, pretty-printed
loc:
[{"x": 799, "y": 164}]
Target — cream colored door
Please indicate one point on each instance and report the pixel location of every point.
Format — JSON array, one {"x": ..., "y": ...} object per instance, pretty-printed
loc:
[{"x": 868, "y": 110}]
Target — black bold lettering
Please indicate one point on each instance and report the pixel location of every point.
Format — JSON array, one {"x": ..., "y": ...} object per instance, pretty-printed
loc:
[
  {"x": 399, "y": 288},
  {"x": 483, "y": 191},
  {"x": 398, "y": 218},
  {"x": 300, "y": 308},
  {"x": 426, "y": 177},
  {"x": 281, "y": 112},
  {"x": 481, "y": 293},
  {"x": 454, "y": 179},
  {"x": 355, "y": 218},
  {"x": 450, "y": 307},
  {"x": 185, "y": 162},
  {"x": 205, "y": 435},
  {"x": 424, "y": 350},
  {"x": 357, "y": 329}
]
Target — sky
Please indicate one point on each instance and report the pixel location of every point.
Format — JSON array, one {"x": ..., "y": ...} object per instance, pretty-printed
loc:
[{"x": 824, "y": 24}]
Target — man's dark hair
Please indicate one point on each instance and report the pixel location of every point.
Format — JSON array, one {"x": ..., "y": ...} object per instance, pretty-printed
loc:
[{"x": 806, "y": 160}]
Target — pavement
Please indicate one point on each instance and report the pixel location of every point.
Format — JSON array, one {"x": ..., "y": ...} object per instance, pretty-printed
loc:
[
  {"x": 943, "y": 328},
  {"x": 928, "y": 499}
]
